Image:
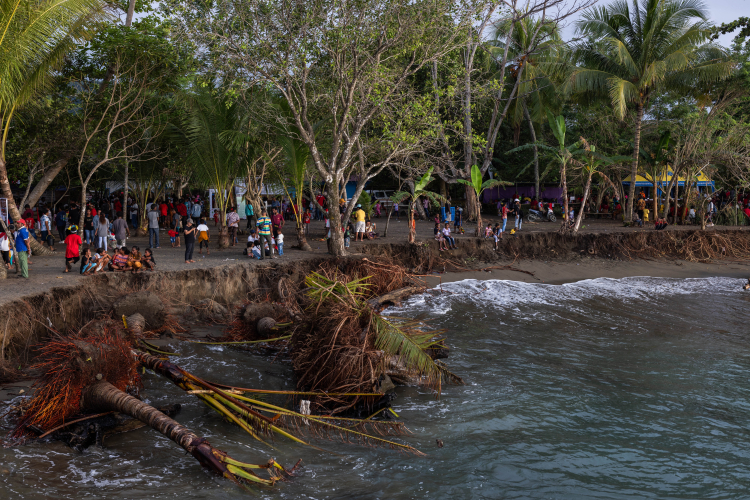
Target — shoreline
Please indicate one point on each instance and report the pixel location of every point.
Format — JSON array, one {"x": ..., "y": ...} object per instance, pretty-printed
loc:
[{"x": 559, "y": 273}]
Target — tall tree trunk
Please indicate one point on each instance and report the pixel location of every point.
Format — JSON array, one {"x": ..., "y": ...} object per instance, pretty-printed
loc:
[
  {"x": 103, "y": 397},
  {"x": 564, "y": 181},
  {"x": 579, "y": 218},
  {"x": 634, "y": 168},
  {"x": 301, "y": 239},
  {"x": 125, "y": 190},
  {"x": 43, "y": 184},
  {"x": 536, "y": 150},
  {"x": 334, "y": 216},
  {"x": 131, "y": 11},
  {"x": 387, "y": 223},
  {"x": 473, "y": 203}
]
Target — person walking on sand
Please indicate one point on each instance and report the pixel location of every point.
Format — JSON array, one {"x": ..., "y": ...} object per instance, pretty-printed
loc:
[
  {"x": 203, "y": 236},
  {"x": 23, "y": 250},
  {"x": 189, "y": 234},
  {"x": 153, "y": 226},
  {"x": 264, "y": 233},
  {"x": 233, "y": 220},
  {"x": 102, "y": 231},
  {"x": 72, "y": 247},
  {"x": 121, "y": 230}
]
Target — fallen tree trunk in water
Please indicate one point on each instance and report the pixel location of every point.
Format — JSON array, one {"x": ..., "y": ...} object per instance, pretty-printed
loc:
[{"x": 392, "y": 298}]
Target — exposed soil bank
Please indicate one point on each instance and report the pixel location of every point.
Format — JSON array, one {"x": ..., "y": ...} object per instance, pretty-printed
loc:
[{"x": 534, "y": 257}]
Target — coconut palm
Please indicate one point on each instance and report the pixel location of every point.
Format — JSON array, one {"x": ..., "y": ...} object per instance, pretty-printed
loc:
[
  {"x": 34, "y": 39},
  {"x": 634, "y": 50},
  {"x": 413, "y": 196},
  {"x": 537, "y": 50},
  {"x": 210, "y": 129},
  {"x": 479, "y": 187}
]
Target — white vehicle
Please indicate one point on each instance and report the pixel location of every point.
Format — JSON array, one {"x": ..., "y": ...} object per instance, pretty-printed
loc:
[{"x": 383, "y": 196}]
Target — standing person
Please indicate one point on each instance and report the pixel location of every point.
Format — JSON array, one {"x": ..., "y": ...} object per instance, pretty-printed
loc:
[
  {"x": 46, "y": 227},
  {"x": 153, "y": 226},
  {"x": 233, "y": 224},
  {"x": 61, "y": 219},
  {"x": 250, "y": 215},
  {"x": 359, "y": 223},
  {"x": 426, "y": 206},
  {"x": 120, "y": 228},
  {"x": 203, "y": 236},
  {"x": 519, "y": 214},
  {"x": 458, "y": 223},
  {"x": 377, "y": 209},
  {"x": 395, "y": 211},
  {"x": 102, "y": 232},
  {"x": 277, "y": 221},
  {"x": 504, "y": 213},
  {"x": 88, "y": 228},
  {"x": 5, "y": 248},
  {"x": 134, "y": 214},
  {"x": 280, "y": 243},
  {"x": 163, "y": 213},
  {"x": 306, "y": 221},
  {"x": 197, "y": 210},
  {"x": 72, "y": 247},
  {"x": 23, "y": 250},
  {"x": 182, "y": 211},
  {"x": 264, "y": 233},
  {"x": 189, "y": 241},
  {"x": 641, "y": 205}
]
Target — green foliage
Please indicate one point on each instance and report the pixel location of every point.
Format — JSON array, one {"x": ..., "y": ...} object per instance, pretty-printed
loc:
[
  {"x": 476, "y": 181},
  {"x": 366, "y": 201}
]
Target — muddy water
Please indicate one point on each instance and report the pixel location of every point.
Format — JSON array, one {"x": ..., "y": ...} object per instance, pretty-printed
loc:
[{"x": 633, "y": 388}]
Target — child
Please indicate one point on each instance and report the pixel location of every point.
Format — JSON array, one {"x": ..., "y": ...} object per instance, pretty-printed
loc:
[
  {"x": 377, "y": 209},
  {"x": 439, "y": 237},
  {"x": 255, "y": 249},
  {"x": 120, "y": 260},
  {"x": 72, "y": 247},
  {"x": 203, "y": 236},
  {"x": 395, "y": 211},
  {"x": 172, "y": 236},
  {"x": 488, "y": 231},
  {"x": 87, "y": 262},
  {"x": 134, "y": 260},
  {"x": 306, "y": 221},
  {"x": 280, "y": 243},
  {"x": 102, "y": 259},
  {"x": 148, "y": 259},
  {"x": 216, "y": 218},
  {"x": 348, "y": 235}
]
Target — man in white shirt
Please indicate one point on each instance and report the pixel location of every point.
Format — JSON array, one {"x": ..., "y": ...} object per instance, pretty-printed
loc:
[{"x": 202, "y": 236}]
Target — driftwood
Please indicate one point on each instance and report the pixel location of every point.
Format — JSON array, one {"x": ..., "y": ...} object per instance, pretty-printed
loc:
[{"x": 392, "y": 298}]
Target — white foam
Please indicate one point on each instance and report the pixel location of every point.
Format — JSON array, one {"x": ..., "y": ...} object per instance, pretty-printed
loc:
[{"x": 510, "y": 294}]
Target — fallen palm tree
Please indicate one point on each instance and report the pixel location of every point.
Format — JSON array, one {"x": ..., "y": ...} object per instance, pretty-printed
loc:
[{"x": 96, "y": 371}]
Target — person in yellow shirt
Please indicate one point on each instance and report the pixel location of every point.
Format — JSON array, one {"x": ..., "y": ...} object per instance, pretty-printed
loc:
[{"x": 359, "y": 226}]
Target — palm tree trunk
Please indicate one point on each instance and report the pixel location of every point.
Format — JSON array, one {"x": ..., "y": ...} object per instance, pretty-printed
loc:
[
  {"x": 536, "y": 150},
  {"x": 566, "y": 211},
  {"x": 579, "y": 218},
  {"x": 103, "y": 397},
  {"x": 303, "y": 244},
  {"x": 634, "y": 168}
]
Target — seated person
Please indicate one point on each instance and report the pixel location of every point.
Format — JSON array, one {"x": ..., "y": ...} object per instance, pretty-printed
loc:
[
  {"x": 148, "y": 260},
  {"x": 120, "y": 260},
  {"x": 660, "y": 224},
  {"x": 102, "y": 259},
  {"x": 134, "y": 260},
  {"x": 370, "y": 231}
]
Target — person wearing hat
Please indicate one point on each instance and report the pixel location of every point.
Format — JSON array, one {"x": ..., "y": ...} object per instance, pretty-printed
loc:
[
  {"x": 23, "y": 250},
  {"x": 359, "y": 223},
  {"x": 72, "y": 247}
]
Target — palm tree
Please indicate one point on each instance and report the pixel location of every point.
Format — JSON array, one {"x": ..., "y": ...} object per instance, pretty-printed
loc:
[
  {"x": 419, "y": 190},
  {"x": 35, "y": 37},
  {"x": 633, "y": 51},
  {"x": 292, "y": 174},
  {"x": 537, "y": 49},
  {"x": 211, "y": 129},
  {"x": 479, "y": 186}
]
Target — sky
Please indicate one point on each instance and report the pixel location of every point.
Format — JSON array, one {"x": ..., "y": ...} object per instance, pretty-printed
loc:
[{"x": 721, "y": 11}]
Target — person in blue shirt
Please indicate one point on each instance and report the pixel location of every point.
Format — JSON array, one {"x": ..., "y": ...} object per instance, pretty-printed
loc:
[
  {"x": 250, "y": 214},
  {"x": 22, "y": 248}
]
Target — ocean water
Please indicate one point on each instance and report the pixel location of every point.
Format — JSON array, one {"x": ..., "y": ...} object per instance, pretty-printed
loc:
[{"x": 630, "y": 388}]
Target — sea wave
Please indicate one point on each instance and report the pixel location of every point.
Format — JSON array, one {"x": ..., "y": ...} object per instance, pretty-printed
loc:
[{"x": 505, "y": 293}]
